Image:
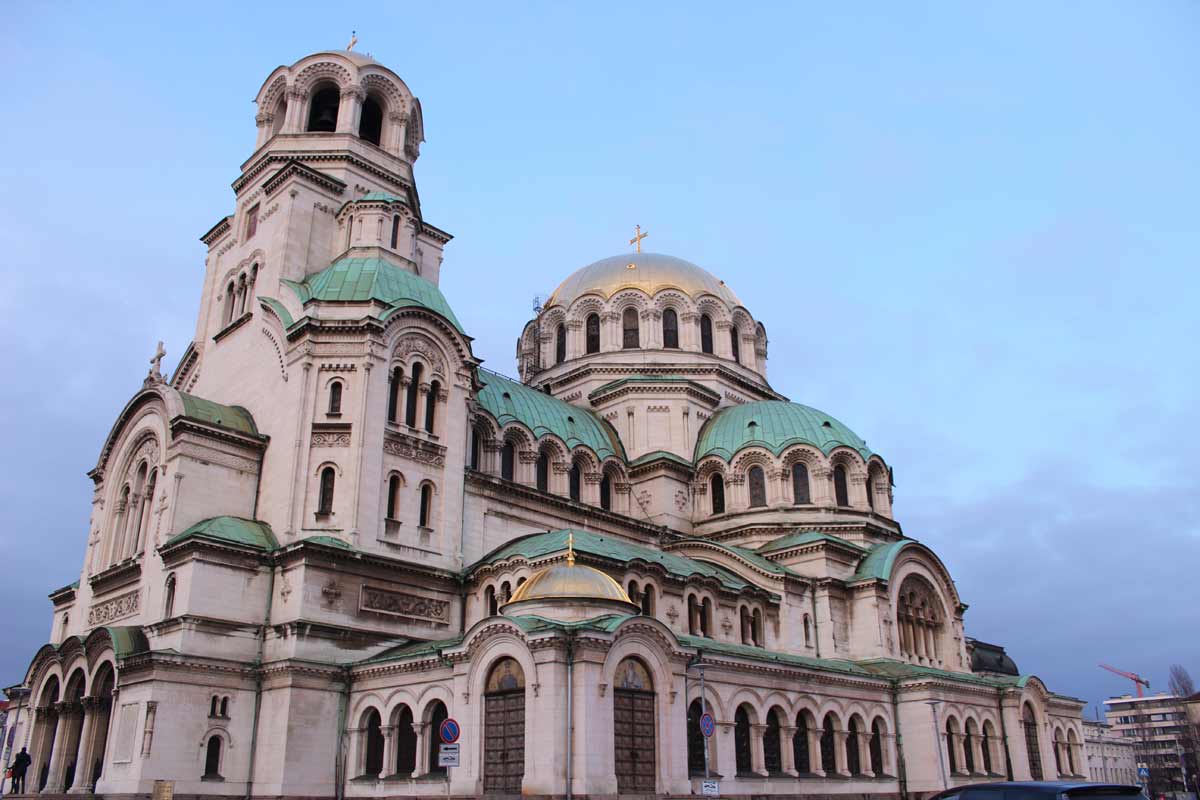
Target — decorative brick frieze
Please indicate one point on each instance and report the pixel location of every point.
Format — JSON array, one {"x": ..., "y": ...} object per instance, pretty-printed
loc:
[
  {"x": 117, "y": 608},
  {"x": 399, "y": 604}
]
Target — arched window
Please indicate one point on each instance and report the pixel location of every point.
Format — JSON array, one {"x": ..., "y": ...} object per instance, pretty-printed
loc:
[
  {"x": 758, "y": 487},
  {"x": 323, "y": 111},
  {"x": 971, "y": 733},
  {"x": 350, "y": 230},
  {"x": 370, "y": 123},
  {"x": 988, "y": 741},
  {"x": 169, "y": 597},
  {"x": 876, "y": 748},
  {"x": 629, "y": 328},
  {"x": 828, "y": 761},
  {"x": 335, "y": 397},
  {"x": 696, "y": 743},
  {"x": 706, "y": 615},
  {"x": 693, "y": 609},
  {"x": 646, "y": 600},
  {"x": 395, "y": 241},
  {"x": 741, "y": 741},
  {"x": 670, "y": 329},
  {"x": 717, "y": 487},
  {"x": 406, "y": 742},
  {"x": 871, "y": 492},
  {"x": 325, "y": 500},
  {"x": 437, "y": 716},
  {"x": 592, "y": 328},
  {"x": 225, "y": 707},
  {"x": 410, "y": 409},
  {"x": 800, "y": 754},
  {"x": 1058, "y": 748},
  {"x": 807, "y": 631},
  {"x": 213, "y": 706},
  {"x": 508, "y": 457},
  {"x": 920, "y": 619},
  {"x": 800, "y": 492},
  {"x": 476, "y": 448},
  {"x": 951, "y": 748},
  {"x": 146, "y": 505},
  {"x": 251, "y": 222},
  {"x": 840, "y": 492},
  {"x": 393, "y": 497},
  {"x": 394, "y": 393},
  {"x": 212, "y": 758},
  {"x": 744, "y": 618},
  {"x": 606, "y": 492},
  {"x": 772, "y": 752},
  {"x": 493, "y": 604},
  {"x": 543, "y": 472},
  {"x": 230, "y": 299},
  {"x": 573, "y": 480},
  {"x": 706, "y": 336},
  {"x": 735, "y": 344},
  {"x": 426, "y": 506},
  {"x": 560, "y": 344},
  {"x": 372, "y": 745},
  {"x": 756, "y": 628},
  {"x": 853, "y": 760},
  {"x": 431, "y": 401}
]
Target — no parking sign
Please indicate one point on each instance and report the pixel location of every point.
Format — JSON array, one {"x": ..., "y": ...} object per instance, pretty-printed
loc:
[
  {"x": 449, "y": 730},
  {"x": 707, "y": 725}
]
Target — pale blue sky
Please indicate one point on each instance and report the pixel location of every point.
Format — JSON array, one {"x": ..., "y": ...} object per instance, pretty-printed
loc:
[{"x": 970, "y": 231}]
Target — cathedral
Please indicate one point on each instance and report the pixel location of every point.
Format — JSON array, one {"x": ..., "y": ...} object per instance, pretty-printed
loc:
[{"x": 333, "y": 556}]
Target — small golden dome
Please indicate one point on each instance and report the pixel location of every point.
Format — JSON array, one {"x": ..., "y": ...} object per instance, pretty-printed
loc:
[{"x": 570, "y": 582}]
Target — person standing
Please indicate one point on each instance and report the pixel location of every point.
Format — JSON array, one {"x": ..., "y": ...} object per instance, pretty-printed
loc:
[{"x": 19, "y": 765}]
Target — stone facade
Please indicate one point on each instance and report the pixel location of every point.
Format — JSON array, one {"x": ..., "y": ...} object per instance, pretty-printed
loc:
[
  {"x": 1110, "y": 757},
  {"x": 303, "y": 545}
]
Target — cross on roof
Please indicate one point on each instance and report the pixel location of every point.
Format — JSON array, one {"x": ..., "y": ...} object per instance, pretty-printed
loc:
[{"x": 638, "y": 236}]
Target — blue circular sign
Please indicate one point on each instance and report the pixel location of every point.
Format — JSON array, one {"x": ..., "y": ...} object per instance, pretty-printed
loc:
[
  {"x": 449, "y": 730},
  {"x": 708, "y": 725}
]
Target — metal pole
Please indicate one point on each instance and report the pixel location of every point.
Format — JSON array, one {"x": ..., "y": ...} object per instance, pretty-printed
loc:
[
  {"x": 570, "y": 706},
  {"x": 937, "y": 740},
  {"x": 703, "y": 710}
]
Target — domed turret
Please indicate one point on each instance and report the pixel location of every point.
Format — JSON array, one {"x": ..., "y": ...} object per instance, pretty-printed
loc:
[{"x": 569, "y": 592}]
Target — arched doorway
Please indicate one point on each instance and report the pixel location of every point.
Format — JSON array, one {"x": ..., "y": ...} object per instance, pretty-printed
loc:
[
  {"x": 633, "y": 728},
  {"x": 1032, "y": 749},
  {"x": 45, "y": 728},
  {"x": 504, "y": 728},
  {"x": 102, "y": 700},
  {"x": 696, "y": 743}
]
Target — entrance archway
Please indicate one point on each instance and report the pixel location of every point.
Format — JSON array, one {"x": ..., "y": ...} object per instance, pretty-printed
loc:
[
  {"x": 633, "y": 728},
  {"x": 504, "y": 728},
  {"x": 1033, "y": 749}
]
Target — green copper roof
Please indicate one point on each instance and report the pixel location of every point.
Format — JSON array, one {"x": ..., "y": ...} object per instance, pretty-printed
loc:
[
  {"x": 509, "y": 401},
  {"x": 381, "y": 197},
  {"x": 889, "y": 668},
  {"x": 762, "y": 654},
  {"x": 880, "y": 560},
  {"x": 806, "y": 537},
  {"x": 660, "y": 455},
  {"x": 606, "y": 623},
  {"x": 775, "y": 425},
  {"x": 230, "y": 530},
  {"x": 415, "y": 649},
  {"x": 232, "y": 417},
  {"x": 538, "y": 545},
  {"x": 361, "y": 280},
  {"x": 127, "y": 640},
  {"x": 328, "y": 541},
  {"x": 744, "y": 553},
  {"x": 280, "y": 310}
]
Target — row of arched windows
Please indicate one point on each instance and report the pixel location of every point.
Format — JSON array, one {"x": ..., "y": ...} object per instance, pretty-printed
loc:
[
  {"x": 971, "y": 749},
  {"x": 373, "y": 744},
  {"x": 543, "y": 467},
  {"x": 219, "y": 707},
  {"x": 130, "y": 521},
  {"x": 391, "y": 511},
  {"x": 631, "y": 334},
  {"x": 238, "y": 293},
  {"x": 412, "y": 396},
  {"x": 756, "y": 482}
]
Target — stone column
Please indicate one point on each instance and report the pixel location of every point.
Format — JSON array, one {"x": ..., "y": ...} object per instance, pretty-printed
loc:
[
  {"x": 976, "y": 743},
  {"x": 787, "y": 751},
  {"x": 758, "y": 761},
  {"x": 349, "y": 109},
  {"x": 721, "y": 341},
  {"x": 421, "y": 729},
  {"x": 83, "y": 752},
  {"x": 864, "y": 753},
  {"x": 815, "y": 763},
  {"x": 725, "y": 750},
  {"x": 389, "y": 750},
  {"x": 62, "y": 750},
  {"x": 960, "y": 753},
  {"x": 293, "y": 121},
  {"x": 576, "y": 338},
  {"x": 839, "y": 752}
]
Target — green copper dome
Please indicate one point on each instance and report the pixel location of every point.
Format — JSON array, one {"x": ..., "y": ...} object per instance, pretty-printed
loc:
[
  {"x": 360, "y": 280},
  {"x": 775, "y": 425}
]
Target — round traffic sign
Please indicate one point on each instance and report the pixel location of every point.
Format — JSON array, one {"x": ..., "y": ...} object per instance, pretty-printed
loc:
[
  {"x": 707, "y": 724},
  {"x": 449, "y": 730}
]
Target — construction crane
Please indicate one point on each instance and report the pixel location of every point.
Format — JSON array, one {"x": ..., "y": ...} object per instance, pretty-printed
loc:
[{"x": 1138, "y": 680}]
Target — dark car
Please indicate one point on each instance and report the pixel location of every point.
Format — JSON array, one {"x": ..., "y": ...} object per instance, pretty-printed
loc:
[{"x": 1038, "y": 790}]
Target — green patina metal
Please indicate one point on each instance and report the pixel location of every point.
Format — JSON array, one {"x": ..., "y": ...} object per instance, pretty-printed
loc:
[
  {"x": 509, "y": 401},
  {"x": 807, "y": 537},
  {"x": 235, "y": 418},
  {"x": 230, "y": 530},
  {"x": 774, "y": 425},
  {"x": 362, "y": 280},
  {"x": 660, "y": 455},
  {"x": 127, "y": 640},
  {"x": 280, "y": 310},
  {"x": 328, "y": 541},
  {"x": 762, "y": 654},
  {"x": 880, "y": 560},
  {"x": 538, "y": 545}
]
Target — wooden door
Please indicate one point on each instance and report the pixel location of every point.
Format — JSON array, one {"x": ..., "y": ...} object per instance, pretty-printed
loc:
[
  {"x": 504, "y": 742},
  {"x": 634, "y": 745}
]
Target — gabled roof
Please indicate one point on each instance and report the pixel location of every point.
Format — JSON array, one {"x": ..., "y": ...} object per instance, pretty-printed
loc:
[
  {"x": 880, "y": 560},
  {"x": 806, "y": 537},
  {"x": 537, "y": 545},
  {"x": 233, "y": 417},
  {"x": 361, "y": 280},
  {"x": 774, "y": 425},
  {"x": 230, "y": 530},
  {"x": 510, "y": 401},
  {"x": 744, "y": 553}
]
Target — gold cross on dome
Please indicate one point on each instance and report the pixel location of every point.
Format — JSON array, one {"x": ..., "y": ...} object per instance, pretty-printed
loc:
[
  {"x": 637, "y": 239},
  {"x": 570, "y": 548}
]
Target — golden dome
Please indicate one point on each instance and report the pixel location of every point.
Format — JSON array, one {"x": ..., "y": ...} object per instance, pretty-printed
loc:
[
  {"x": 570, "y": 582},
  {"x": 649, "y": 272}
]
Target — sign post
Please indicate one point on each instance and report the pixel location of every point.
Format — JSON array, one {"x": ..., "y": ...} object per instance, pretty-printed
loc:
[{"x": 448, "y": 750}]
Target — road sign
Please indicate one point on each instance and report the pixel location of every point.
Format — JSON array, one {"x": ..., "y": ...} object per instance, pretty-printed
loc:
[
  {"x": 449, "y": 731},
  {"x": 707, "y": 724},
  {"x": 1143, "y": 772},
  {"x": 710, "y": 788},
  {"x": 447, "y": 755}
]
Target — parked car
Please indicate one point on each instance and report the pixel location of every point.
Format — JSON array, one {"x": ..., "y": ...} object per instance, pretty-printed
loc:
[{"x": 1038, "y": 790}]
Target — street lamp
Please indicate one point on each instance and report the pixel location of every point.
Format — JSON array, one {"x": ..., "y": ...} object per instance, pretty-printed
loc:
[{"x": 937, "y": 740}]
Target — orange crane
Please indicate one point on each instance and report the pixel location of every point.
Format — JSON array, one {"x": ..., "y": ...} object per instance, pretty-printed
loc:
[{"x": 1138, "y": 680}]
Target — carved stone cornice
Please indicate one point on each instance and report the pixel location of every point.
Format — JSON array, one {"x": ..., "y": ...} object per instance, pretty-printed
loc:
[
  {"x": 116, "y": 576},
  {"x": 294, "y": 168}
]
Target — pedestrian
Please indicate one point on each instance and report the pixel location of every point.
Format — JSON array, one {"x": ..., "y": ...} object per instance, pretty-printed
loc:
[{"x": 19, "y": 765}]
